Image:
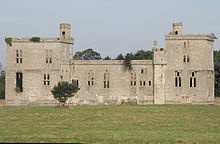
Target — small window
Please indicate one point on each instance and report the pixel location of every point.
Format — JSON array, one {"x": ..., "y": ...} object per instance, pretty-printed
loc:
[
  {"x": 176, "y": 32},
  {"x": 187, "y": 58},
  {"x": 50, "y": 60},
  {"x": 92, "y": 82},
  {"x": 19, "y": 82},
  {"x": 63, "y": 33},
  {"x": 149, "y": 83},
  {"x": 17, "y": 60},
  {"x": 192, "y": 74},
  {"x": 89, "y": 83},
  {"x": 46, "y": 60},
  {"x": 178, "y": 74},
  {"x": 144, "y": 83},
  {"x": 131, "y": 83},
  {"x": 140, "y": 83},
  {"x": 142, "y": 71},
  {"x": 61, "y": 77},
  {"x": 20, "y": 60},
  {"x": 184, "y": 58}
]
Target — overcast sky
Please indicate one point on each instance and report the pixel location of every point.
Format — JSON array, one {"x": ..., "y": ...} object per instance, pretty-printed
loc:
[{"x": 110, "y": 27}]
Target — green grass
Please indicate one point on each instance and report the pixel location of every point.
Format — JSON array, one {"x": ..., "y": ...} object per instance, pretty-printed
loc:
[{"x": 111, "y": 124}]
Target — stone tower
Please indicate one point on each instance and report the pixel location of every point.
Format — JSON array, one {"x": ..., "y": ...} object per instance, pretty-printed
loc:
[
  {"x": 159, "y": 66},
  {"x": 65, "y": 31},
  {"x": 190, "y": 69}
]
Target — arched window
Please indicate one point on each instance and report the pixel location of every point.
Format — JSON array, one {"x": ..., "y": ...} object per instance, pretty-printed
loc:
[
  {"x": 177, "y": 80},
  {"x": 176, "y": 32}
]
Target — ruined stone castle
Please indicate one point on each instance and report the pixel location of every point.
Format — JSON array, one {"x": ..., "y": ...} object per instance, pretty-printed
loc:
[{"x": 181, "y": 73}]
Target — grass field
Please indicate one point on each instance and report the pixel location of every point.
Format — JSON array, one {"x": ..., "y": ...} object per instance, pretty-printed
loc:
[{"x": 111, "y": 124}]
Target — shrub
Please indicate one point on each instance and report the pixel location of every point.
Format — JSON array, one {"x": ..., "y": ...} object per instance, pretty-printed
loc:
[
  {"x": 63, "y": 91},
  {"x": 35, "y": 39},
  {"x": 8, "y": 41}
]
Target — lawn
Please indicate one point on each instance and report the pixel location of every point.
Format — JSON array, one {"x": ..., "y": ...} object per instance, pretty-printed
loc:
[{"x": 111, "y": 124}]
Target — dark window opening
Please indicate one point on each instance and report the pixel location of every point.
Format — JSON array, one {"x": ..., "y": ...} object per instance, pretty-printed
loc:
[
  {"x": 61, "y": 77},
  {"x": 190, "y": 82},
  {"x": 104, "y": 84},
  {"x": 176, "y": 32},
  {"x": 92, "y": 82},
  {"x": 192, "y": 73},
  {"x": 187, "y": 58},
  {"x": 178, "y": 74},
  {"x": 48, "y": 82},
  {"x": 19, "y": 81},
  {"x": 179, "y": 81},
  {"x": 46, "y": 60},
  {"x": 131, "y": 83},
  {"x": 184, "y": 59},
  {"x": 144, "y": 83},
  {"x": 20, "y": 60},
  {"x": 142, "y": 71},
  {"x": 17, "y": 53},
  {"x": 44, "y": 82},
  {"x": 89, "y": 83},
  {"x": 17, "y": 60},
  {"x": 50, "y": 60},
  {"x": 77, "y": 82},
  {"x": 63, "y": 33},
  {"x": 107, "y": 84},
  {"x": 176, "y": 83},
  {"x": 135, "y": 83},
  {"x": 140, "y": 83},
  {"x": 149, "y": 83}
]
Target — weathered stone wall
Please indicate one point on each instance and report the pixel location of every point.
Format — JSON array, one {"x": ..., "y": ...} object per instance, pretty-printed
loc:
[{"x": 186, "y": 58}]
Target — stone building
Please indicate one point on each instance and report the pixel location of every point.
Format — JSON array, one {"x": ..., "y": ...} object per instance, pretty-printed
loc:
[{"x": 183, "y": 72}]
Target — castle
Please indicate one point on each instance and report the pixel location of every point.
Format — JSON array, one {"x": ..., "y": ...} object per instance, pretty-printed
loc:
[{"x": 181, "y": 73}]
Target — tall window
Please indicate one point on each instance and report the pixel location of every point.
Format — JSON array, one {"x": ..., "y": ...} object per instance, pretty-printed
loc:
[
  {"x": 48, "y": 56},
  {"x": 19, "y": 82},
  {"x": 192, "y": 80},
  {"x": 75, "y": 82},
  {"x": 106, "y": 79},
  {"x": 46, "y": 79},
  {"x": 90, "y": 78},
  {"x": 177, "y": 79},
  {"x": 186, "y": 58},
  {"x": 133, "y": 79},
  {"x": 19, "y": 56}
]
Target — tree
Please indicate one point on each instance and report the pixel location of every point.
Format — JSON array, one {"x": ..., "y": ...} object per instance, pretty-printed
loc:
[
  {"x": 107, "y": 58},
  {"x": 217, "y": 72},
  {"x": 87, "y": 54},
  {"x": 63, "y": 91},
  {"x": 120, "y": 57},
  {"x": 2, "y": 83}
]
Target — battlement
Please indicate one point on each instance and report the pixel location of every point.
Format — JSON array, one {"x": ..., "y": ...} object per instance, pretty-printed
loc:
[
  {"x": 27, "y": 40},
  {"x": 110, "y": 62},
  {"x": 190, "y": 37}
]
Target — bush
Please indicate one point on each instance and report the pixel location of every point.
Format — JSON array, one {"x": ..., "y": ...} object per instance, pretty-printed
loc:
[
  {"x": 63, "y": 91},
  {"x": 8, "y": 41},
  {"x": 35, "y": 39}
]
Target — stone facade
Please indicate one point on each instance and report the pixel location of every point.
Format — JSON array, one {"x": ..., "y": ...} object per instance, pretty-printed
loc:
[{"x": 183, "y": 72}]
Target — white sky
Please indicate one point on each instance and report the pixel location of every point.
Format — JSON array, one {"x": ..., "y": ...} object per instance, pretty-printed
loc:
[{"x": 110, "y": 27}]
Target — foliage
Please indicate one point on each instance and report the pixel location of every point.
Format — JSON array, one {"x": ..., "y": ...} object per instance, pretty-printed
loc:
[
  {"x": 87, "y": 54},
  {"x": 217, "y": 72},
  {"x": 107, "y": 58},
  {"x": 35, "y": 39},
  {"x": 2, "y": 84},
  {"x": 139, "y": 55},
  {"x": 120, "y": 57},
  {"x": 8, "y": 41},
  {"x": 127, "y": 61},
  {"x": 63, "y": 91},
  {"x": 165, "y": 124}
]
